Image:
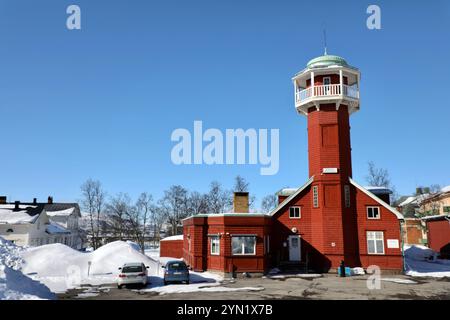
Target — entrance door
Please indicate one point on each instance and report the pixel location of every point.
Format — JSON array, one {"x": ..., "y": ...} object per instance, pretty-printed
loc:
[{"x": 294, "y": 248}]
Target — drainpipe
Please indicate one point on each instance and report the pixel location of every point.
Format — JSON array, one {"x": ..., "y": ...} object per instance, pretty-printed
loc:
[{"x": 403, "y": 246}]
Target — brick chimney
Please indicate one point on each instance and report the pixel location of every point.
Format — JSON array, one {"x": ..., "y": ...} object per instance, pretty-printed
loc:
[
  {"x": 34, "y": 201},
  {"x": 240, "y": 202},
  {"x": 3, "y": 199},
  {"x": 17, "y": 205},
  {"x": 50, "y": 200}
]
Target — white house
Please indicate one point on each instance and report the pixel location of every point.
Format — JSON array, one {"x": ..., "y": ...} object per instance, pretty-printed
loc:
[{"x": 36, "y": 224}]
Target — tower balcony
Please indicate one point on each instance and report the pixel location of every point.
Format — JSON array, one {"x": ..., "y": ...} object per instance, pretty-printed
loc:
[
  {"x": 330, "y": 93},
  {"x": 327, "y": 79}
]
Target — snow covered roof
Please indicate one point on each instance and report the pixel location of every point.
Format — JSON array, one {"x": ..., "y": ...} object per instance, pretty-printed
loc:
[
  {"x": 66, "y": 212},
  {"x": 287, "y": 191},
  {"x": 54, "y": 228},
  {"x": 437, "y": 217},
  {"x": 378, "y": 190},
  {"x": 374, "y": 197},
  {"x": 409, "y": 200},
  {"x": 62, "y": 208},
  {"x": 445, "y": 189},
  {"x": 173, "y": 238},
  {"x": 230, "y": 214},
  {"x": 24, "y": 214}
]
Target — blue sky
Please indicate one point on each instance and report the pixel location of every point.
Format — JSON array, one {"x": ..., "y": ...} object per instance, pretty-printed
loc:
[{"x": 102, "y": 102}]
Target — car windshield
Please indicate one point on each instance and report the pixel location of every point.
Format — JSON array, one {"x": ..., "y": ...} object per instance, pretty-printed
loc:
[
  {"x": 131, "y": 269},
  {"x": 177, "y": 266}
]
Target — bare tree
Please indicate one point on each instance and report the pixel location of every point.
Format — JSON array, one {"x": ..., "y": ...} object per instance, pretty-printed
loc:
[
  {"x": 378, "y": 177},
  {"x": 219, "y": 200},
  {"x": 430, "y": 202},
  {"x": 119, "y": 209},
  {"x": 139, "y": 217},
  {"x": 242, "y": 185},
  {"x": 197, "y": 203},
  {"x": 93, "y": 203},
  {"x": 269, "y": 203},
  {"x": 158, "y": 218},
  {"x": 174, "y": 206}
]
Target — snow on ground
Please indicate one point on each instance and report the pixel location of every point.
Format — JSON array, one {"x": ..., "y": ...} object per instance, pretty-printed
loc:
[
  {"x": 399, "y": 280},
  {"x": 61, "y": 267},
  {"x": 421, "y": 261},
  {"x": 14, "y": 285},
  {"x": 199, "y": 281}
]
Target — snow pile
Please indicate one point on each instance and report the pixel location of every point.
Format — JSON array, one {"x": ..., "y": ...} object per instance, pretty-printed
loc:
[
  {"x": 421, "y": 261},
  {"x": 61, "y": 267},
  {"x": 14, "y": 285}
]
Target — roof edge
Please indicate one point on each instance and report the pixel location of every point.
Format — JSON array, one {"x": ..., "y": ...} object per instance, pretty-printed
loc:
[
  {"x": 288, "y": 199},
  {"x": 374, "y": 197}
]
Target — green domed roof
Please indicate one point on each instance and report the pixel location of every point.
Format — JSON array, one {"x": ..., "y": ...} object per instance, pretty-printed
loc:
[{"x": 327, "y": 60}]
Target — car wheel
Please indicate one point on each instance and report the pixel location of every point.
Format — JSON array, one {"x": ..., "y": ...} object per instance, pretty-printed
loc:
[
  {"x": 119, "y": 286},
  {"x": 187, "y": 282},
  {"x": 165, "y": 282}
]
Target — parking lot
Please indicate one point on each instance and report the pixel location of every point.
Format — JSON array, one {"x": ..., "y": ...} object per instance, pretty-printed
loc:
[{"x": 328, "y": 286}]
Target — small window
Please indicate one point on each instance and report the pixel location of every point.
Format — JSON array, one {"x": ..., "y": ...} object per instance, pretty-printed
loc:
[
  {"x": 375, "y": 242},
  {"x": 347, "y": 196},
  {"x": 294, "y": 213},
  {"x": 373, "y": 213},
  {"x": 316, "y": 196},
  {"x": 10, "y": 231},
  {"x": 215, "y": 245},
  {"x": 243, "y": 245}
]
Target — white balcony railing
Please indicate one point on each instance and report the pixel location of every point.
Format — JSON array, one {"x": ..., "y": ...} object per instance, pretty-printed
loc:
[{"x": 330, "y": 90}]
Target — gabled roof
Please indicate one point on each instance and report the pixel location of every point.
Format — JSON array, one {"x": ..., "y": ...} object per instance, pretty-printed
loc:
[
  {"x": 374, "y": 197},
  {"x": 62, "y": 208},
  {"x": 292, "y": 196}
]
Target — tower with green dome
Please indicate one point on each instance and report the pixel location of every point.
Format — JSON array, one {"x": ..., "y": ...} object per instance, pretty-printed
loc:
[{"x": 327, "y": 79}]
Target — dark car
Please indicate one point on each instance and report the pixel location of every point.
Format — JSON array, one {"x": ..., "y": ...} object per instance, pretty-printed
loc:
[{"x": 176, "y": 271}]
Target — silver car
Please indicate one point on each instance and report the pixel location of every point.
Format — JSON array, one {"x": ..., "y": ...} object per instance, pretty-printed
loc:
[{"x": 132, "y": 273}]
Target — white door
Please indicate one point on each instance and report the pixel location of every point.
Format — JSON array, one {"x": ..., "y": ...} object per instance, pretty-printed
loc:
[
  {"x": 327, "y": 85},
  {"x": 294, "y": 248}
]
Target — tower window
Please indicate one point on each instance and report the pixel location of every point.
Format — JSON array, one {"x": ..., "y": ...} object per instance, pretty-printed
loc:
[
  {"x": 373, "y": 213},
  {"x": 294, "y": 213},
  {"x": 315, "y": 196},
  {"x": 347, "y": 196}
]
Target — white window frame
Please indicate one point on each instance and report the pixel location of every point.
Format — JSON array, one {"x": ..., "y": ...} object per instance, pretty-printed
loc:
[
  {"x": 243, "y": 246},
  {"x": 315, "y": 196},
  {"x": 299, "y": 212},
  {"x": 373, "y": 218},
  {"x": 372, "y": 236},
  {"x": 347, "y": 196},
  {"x": 216, "y": 240}
]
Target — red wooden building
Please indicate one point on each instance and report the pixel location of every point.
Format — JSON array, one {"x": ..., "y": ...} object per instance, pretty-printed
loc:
[
  {"x": 329, "y": 219},
  {"x": 438, "y": 234}
]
